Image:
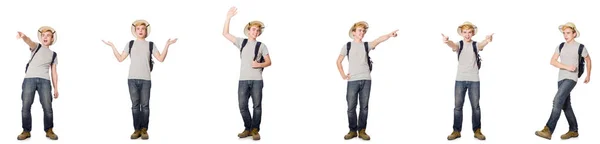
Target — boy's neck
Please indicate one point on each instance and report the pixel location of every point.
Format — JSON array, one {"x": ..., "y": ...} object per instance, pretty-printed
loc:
[
  {"x": 251, "y": 39},
  {"x": 467, "y": 40},
  {"x": 357, "y": 40},
  {"x": 571, "y": 41},
  {"x": 142, "y": 39}
]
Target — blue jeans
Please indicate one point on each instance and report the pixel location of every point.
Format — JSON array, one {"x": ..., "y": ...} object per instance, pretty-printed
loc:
[
  {"x": 44, "y": 88},
  {"x": 460, "y": 90},
  {"x": 247, "y": 89},
  {"x": 139, "y": 91},
  {"x": 358, "y": 90},
  {"x": 562, "y": 101}
]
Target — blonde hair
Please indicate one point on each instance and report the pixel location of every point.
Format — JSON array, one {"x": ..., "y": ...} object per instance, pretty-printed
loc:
[
  {"x": 357, "y": 25},
  {"x": 256, "y": 24},
  {"x": 466, "y": 27},
  {"x": 567, "y": 27},
  {"x": 47, "y": 30}
]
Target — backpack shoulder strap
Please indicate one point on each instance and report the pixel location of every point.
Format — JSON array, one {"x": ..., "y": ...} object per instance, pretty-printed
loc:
[
  {"x": 348, "y": 45},
  {"x": 36, "y": 50},
  {"x": 460, "y": 47},
  {"x": 475, "y": 47},
  {"x": 151, "y": 48},
  {"x": 53, "y": 58},
  {"x": 366, "y": 47},
  {"x": 560, "y": 47},
  {"x": 581, "y": 46},
  {"x": 244, "y": 42},
  {"x": 130, "y": 46},
  {"x": 256, "y": 49}
]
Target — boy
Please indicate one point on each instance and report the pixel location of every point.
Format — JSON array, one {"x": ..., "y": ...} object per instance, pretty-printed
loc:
[
  {"x": 37, "y": 78},
  {"x": 571, "y": 54},
  {"x": 139, "y": 73},
  {"x": 254, "y": 58},
  {"x": 359, "y": 76},
  {"x": 467, "y": 77}
]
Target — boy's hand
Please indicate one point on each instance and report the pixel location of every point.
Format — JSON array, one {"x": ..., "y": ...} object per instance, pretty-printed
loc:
[
  {"x": 255, "y": 64},
  {"x": 571, "y": 68},
  {"x": 445, "y": 38},
  {"x": 393, "y": 34},
  {"x": 171, "y": 41},
  {"x": 20, "y": 35},
  {"x": 232, "y": 12},
  {"x": 55, "y": 94},
  {"x": 346, "y": 77},
  {"x": 488, "y": 38},
  {"x": 108, "y": 43},
  {"x": 587, "y": 79}
]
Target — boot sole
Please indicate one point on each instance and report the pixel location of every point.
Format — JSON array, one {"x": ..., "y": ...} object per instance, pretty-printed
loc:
[
  {"x": 569, "y": 137},
  {"x": 542, "y": 136},
  {"x": 52, "y": 138},
  {"x": 24, "y": 138},
  {"x": 454, "y": 138}
]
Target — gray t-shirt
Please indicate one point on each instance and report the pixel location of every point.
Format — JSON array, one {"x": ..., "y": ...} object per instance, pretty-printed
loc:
[
  {"x": 39, "y": 67},
  {"x": 467, "y": 69},
  {"x": 247, "y": 72},
  {"x": 140, "y": 56},
  {"x": 357, "y": 61},
  {"x": 569, "y": 56}
]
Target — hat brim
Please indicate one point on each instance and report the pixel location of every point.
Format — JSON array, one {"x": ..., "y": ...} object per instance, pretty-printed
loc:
[
  {"x": 458, "y": 30},
  {"x": 350, "y": 30},
  {"x": 148, "y": 28},
  {"x": 44, "y": 28},
  {"x": 560, "y": 28},
  {"x": 247, "y": 27}
]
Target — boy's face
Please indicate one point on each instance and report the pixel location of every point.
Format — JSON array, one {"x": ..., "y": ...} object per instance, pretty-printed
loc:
[
  {"x": 140, "y": 30},
  {"x": 569, "y": 34},
  {"x": 359, "y": 32},
  {"x": 467, "y": 33},
  {"x": 47, "y": 38},
  {"x": 253, "y": 32}
]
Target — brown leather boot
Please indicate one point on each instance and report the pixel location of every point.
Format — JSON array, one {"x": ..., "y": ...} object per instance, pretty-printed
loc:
[
  {"x": 24, "y": 135},
  {"x": 544, "y": 133},
  {"x": 136, "y": 134},
  {"x": 50, "y": 134},
  {"x": 363, "y": 135},
  {"x": 244, "y": 134},
  {"x": 145, "y": 134},
  {"x": 479, "y": 135},
  {"x": 570, "y": 134},
  {"x": 350, "y": 135},
  {"x": 255, "y": 135},
  {"x": 454, "y": 135}
]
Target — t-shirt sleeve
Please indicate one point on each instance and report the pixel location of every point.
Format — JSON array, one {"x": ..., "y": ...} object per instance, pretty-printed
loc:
[
  {"x": 238, "y": 42},
  {"x": 36, "y": 46},
  {"x": 369, "y": 45},
  {"x": 55, "y": 60},
  {"x": 584, "y": 53},
  {"x": 263, "y": 50},
  {"x": 344, "y": 51},
  {"x": 154, "y": 49},
  {"x": 126, "y": 48},
  {"x": 457, "y": 47},
  {"x": 556, "y": 51}
]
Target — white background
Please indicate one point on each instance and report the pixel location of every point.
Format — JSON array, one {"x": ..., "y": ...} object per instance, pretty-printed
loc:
[{"x": 194, "y": 92}]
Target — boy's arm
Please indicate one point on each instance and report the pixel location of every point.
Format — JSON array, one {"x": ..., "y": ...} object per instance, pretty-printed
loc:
[
  {"x": 554, "y": 62},
  {"x": 226, "y": 34},
  {"x": 341, "y": 68},
  {"x": 450, "y": 43},
  {"x": 383, "y": 38},
  {"x": 55, "y": 80},
  {"x": 267, "y": 62},
  {"x": 120, "y": 57},
  {"x": 161, "y": 57},
  {"x": 588, "y": 64},
  {"x": 32, "y": 45},
  {"x": 483, "y": 43}
]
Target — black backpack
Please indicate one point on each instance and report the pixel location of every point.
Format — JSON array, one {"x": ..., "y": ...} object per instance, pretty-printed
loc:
[
  {"x": 348, "y": 45},
  {"x": 36, "y": 50},
  {"x": 477, "y": 56},
  {"x": 150, "y": 61},
  {"x": 581, "y": 66},
  {"x": 256, "y": 48}
]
